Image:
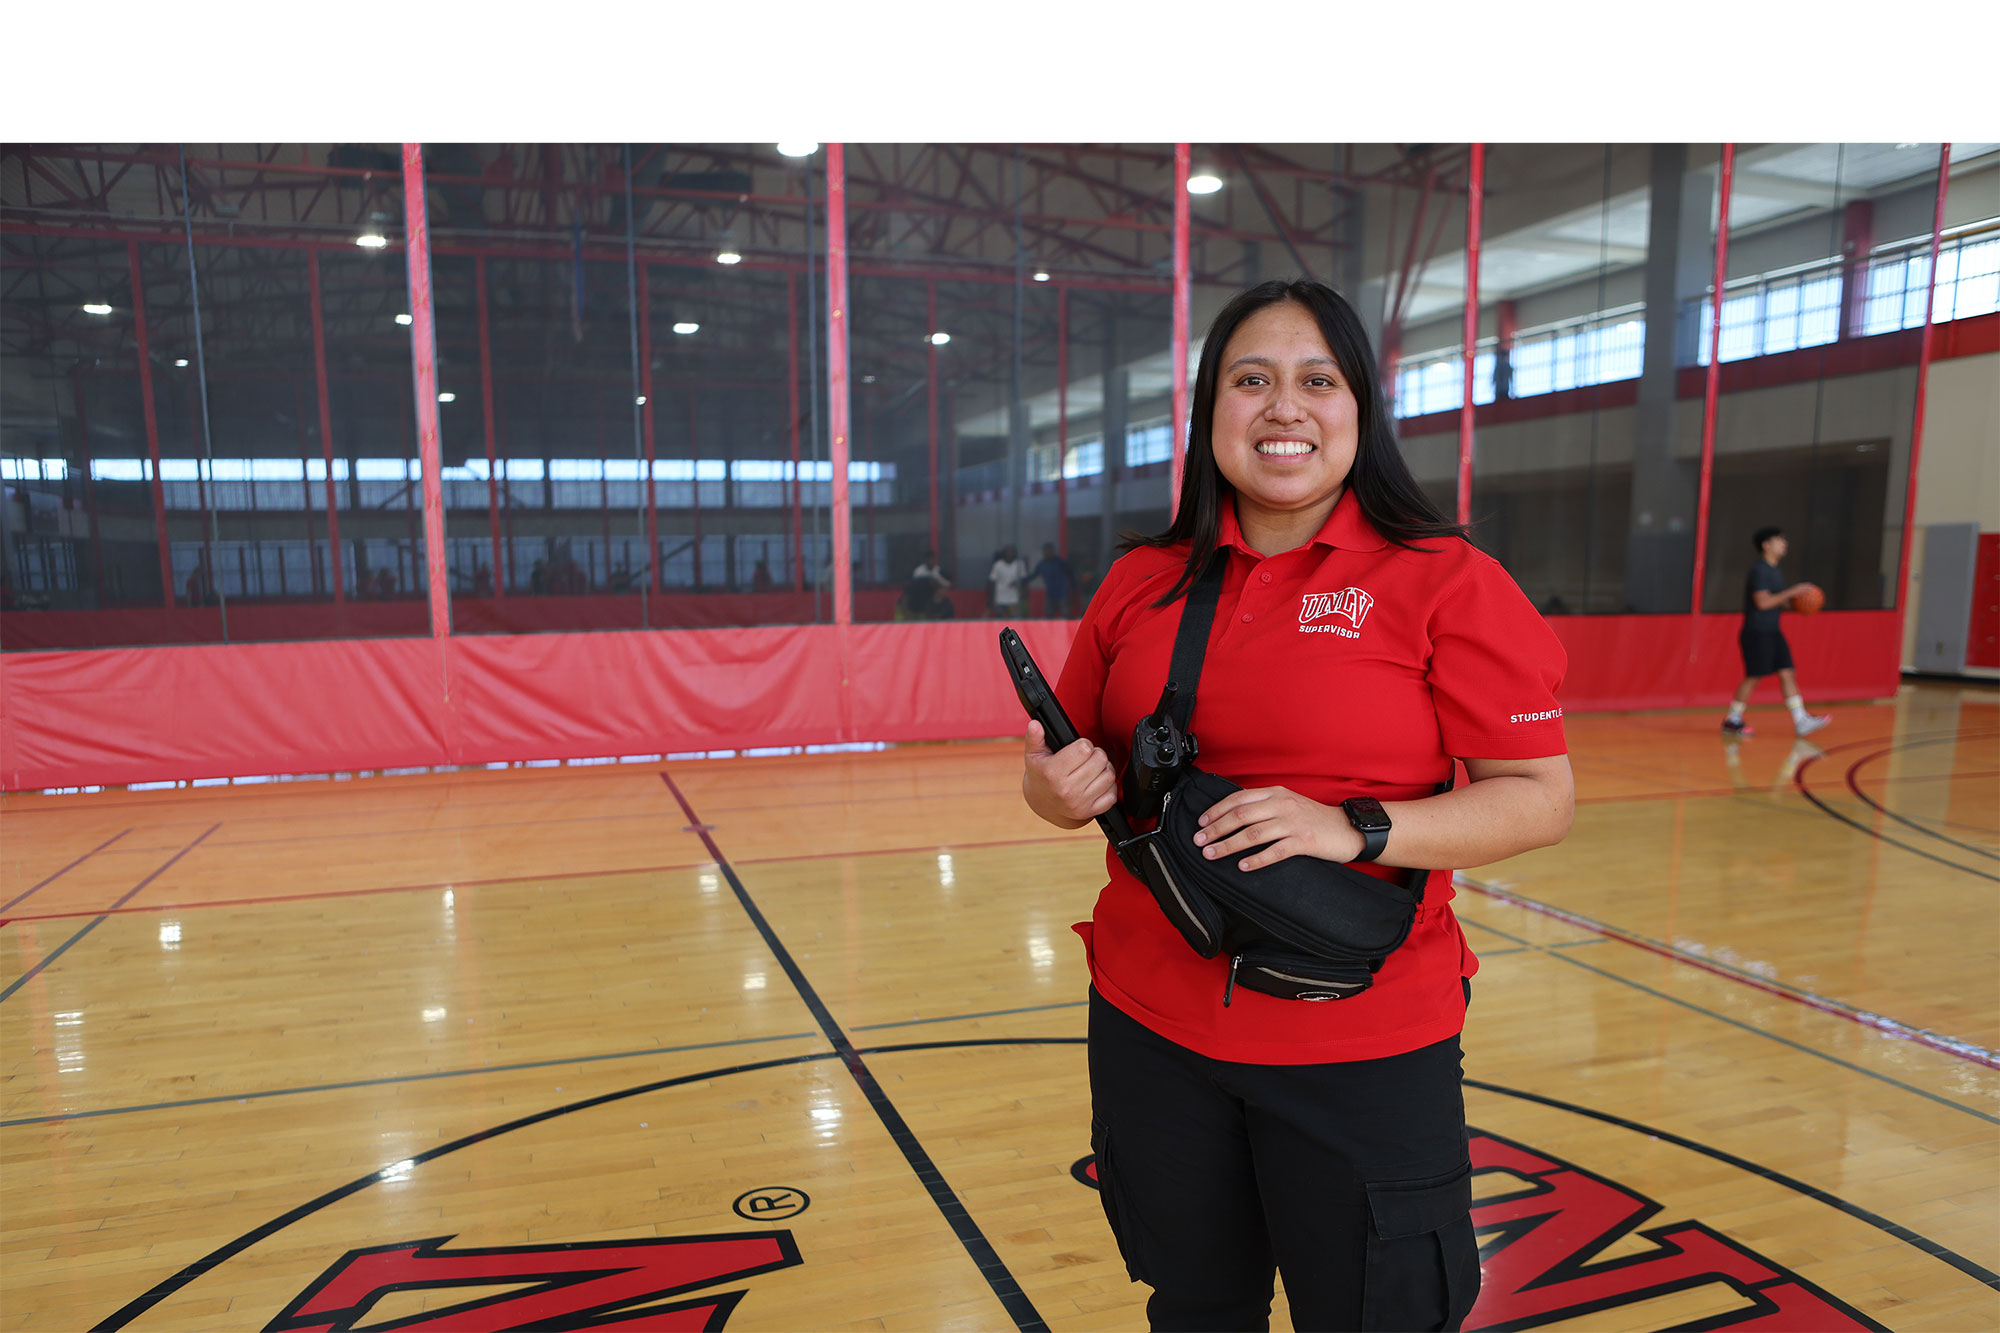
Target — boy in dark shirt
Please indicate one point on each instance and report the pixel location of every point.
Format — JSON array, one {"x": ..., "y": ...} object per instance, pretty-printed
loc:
[{"x": 1765, "y": 598}]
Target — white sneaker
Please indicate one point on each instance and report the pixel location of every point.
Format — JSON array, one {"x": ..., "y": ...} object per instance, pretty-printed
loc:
[{"x": 1807, "y": 725}]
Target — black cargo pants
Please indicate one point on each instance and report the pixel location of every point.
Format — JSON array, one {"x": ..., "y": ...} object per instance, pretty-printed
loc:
[{"x": 1352, "y": 1179}]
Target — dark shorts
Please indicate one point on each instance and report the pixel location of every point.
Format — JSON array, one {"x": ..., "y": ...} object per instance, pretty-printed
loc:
[{"x": 1764, "y": 651}]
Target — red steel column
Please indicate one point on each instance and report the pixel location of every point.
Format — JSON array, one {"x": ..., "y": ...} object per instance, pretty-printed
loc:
[
  {"x": 1179, "y": 344},
  {"x": 836, "y": 367},
  {"x": 325, "y": 428},
  {"x": 1710, "y": 392},
  {"x": 930, "y": 406},
  {"x": 423, "y": 348},
  {"x": 1475, "y": 198},
  {"x": 152, "y": 424},
  {"x": 1062, "y": 422},
  {"x": 646, "y": 418},
  {"x": 798, "y": 560},
  {"x": 1923, "y": 377},
  {"x": 486, "y": 406}
]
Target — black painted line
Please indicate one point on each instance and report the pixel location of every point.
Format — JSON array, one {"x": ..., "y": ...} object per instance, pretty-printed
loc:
[
  {"x": 1956, "y": 1047},
  {"x": 981, "y": 1250},
  {"x": 1799, "y": 781},
  {"x": 25, "y": 894},
  {"x": 48, "y": 958},
  {"x": 394, "y": 1080},
  {"x": 38, "y": 968},
  {"x": 214, "y": 1258},
  {"x": 1854, "y": 785},
  {"x": 1856, "y": 1211},
  {"x": 1738, "y": 1023},
  {"x": 960, "y": 1018}
]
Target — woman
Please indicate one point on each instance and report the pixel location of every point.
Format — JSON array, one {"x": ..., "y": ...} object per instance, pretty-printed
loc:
[{"x": 1360, "y": 645}]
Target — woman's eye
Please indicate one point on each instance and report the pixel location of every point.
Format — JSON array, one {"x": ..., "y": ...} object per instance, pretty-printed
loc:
[{"x": 1252, "y": 381}]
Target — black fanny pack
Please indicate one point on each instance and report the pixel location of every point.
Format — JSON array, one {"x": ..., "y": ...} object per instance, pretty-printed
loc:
[{"x": 1302, "y": 929}]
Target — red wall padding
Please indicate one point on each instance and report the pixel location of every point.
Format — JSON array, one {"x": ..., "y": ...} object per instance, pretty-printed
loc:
[{"x": 113, "y": 716}]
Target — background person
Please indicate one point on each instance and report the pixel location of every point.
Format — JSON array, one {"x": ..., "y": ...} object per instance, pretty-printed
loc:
[
  {"x": 1326, "y": 1141},
  {"x": 1762, "y": 643},
  {"x": 1009, "y": 572},
  {"x": 1053, "y": 573}
]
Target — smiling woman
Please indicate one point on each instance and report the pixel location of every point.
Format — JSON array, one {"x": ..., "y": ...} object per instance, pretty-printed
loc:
[{"x": 1360, "y": 646}]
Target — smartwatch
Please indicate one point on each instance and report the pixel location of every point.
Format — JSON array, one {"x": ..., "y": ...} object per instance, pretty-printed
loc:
[{"x": 1371, "y": 821}]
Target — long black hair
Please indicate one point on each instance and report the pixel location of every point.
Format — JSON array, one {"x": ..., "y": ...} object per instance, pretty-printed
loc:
[{"x": 1389, "y": 496}]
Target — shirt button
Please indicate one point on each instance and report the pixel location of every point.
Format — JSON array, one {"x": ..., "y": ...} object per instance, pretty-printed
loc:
[
  {"x": 1246, "y": 617},
  {"x": 1267, "y": 578}
]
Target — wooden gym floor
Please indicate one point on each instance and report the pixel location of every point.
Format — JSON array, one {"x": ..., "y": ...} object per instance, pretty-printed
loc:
[{"x": 794, "y": 1043}]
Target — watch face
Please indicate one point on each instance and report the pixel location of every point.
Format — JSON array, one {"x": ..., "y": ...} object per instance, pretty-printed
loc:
[{"x": 1367, "y": 815}]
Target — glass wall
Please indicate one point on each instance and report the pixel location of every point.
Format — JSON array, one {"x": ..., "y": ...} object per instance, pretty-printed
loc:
[
  {"x": 1588, "y": 444},
  {"x": 1012, "y": 313},
  {"x": 627, "y": 335},
  {"x": 1820, "y": 342},
  {"x": 209, "y": 434},
  {"x": 207, "y": 335}
]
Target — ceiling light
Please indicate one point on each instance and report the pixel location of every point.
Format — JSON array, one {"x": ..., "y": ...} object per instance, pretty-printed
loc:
[
  {"x": 181, "y": 364},
  {"x": 687, "y": 326},
  {"x": 798, "y": 149},
  {"x": 447, "y": 397},
  {"x": 867, "y": 379},
  {"x": 96, "y": 308},
  {"x": 940, "y": 338},
  {"x": 404, "y": 319},
  {"x": 1041, "y": 275},
  {"x": 371, "y": 241},
  {"x": 729, "y": 257},
  {"x": 1204, "y": 184},
  {"x": 640, "y": 401}
]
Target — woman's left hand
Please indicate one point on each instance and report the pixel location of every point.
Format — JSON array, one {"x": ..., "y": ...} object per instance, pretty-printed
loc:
[{"x": 1293, "y": 824}]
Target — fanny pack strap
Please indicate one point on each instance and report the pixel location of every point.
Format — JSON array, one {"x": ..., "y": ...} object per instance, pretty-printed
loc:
[
  {"x": 1191, "y": 647},
  {"x": 1191, "y": 642}
]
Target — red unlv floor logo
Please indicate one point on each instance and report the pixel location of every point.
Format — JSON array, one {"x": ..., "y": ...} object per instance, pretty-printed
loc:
[
  {"x": 576, "y": 1286},
  {"x": 1539, "y": 1238}
]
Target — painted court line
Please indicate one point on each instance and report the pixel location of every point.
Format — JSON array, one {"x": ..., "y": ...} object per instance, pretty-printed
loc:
[
  {"x": 26, "y": 893},
  {"x": 64, "y": 947},
  {"x": 1952, "y": 1046},
  {"x": 394, "y": 1080},
  {"x": 1751, "y": 1028}
]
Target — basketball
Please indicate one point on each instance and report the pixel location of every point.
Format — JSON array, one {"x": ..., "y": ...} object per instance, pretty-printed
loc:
[{"x": 1809, "y": 600}]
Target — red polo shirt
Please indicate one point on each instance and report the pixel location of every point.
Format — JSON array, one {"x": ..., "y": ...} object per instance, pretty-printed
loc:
[{"x": 1348, "y": 667}]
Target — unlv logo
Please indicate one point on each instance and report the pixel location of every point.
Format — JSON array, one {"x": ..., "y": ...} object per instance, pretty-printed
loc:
[
  {"x": 580, "y": 1286},
  {"x": 1350, "y": 603}
]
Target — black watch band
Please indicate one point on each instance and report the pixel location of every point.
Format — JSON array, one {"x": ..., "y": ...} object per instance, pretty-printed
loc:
[{"x": 1371, "y": 822}]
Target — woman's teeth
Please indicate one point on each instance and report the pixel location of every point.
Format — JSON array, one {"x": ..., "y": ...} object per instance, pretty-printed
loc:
[{"x": 1284, "y": 447}]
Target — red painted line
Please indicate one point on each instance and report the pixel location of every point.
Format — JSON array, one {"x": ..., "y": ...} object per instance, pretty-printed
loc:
[
  {"x": 1880, "y": 1023},
  {"x": 350, "y": 893}
]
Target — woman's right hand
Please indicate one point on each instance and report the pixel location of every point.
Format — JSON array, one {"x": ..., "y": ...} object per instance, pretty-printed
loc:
[{"x": 1068, "y": 787}]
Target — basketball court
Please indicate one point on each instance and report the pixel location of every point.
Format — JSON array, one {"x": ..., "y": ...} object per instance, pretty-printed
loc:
[{"x": 795, "y": 1042}]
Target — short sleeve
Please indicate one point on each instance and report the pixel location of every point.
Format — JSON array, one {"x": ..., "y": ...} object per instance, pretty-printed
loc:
[
  {"x": 1081, "y": 688},
  {"x": 1495, "y": 669}
]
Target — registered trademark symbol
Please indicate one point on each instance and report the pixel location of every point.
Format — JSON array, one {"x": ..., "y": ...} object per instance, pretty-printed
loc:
[{"x": 771, "y": 1203}]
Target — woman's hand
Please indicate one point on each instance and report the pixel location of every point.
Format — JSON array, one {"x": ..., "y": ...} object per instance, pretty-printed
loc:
[
  {"x": 1068, "y": 787},
  {"x": 1291, "y": 823}
]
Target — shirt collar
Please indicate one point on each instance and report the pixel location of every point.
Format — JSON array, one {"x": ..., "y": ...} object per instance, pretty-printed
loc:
[{"x": 1346, "y": 528}]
